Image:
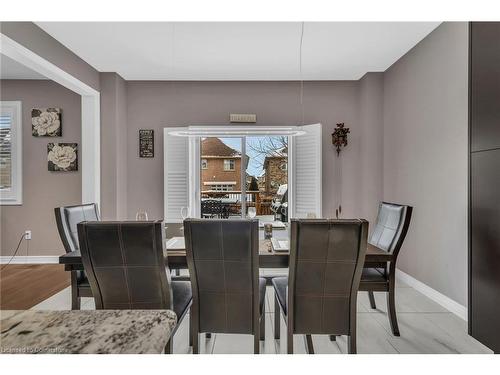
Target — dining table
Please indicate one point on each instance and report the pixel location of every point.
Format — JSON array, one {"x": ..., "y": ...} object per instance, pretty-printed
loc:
[{"x": 175, "y": 253}]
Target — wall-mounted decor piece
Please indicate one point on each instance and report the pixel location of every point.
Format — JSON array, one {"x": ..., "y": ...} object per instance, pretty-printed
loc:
[
  {"x": 339, "y": 137},
  {"x": 62, "y": 157},
  {"x": 46, "y": 122},
  {"x": 339, "y": 140},
  {"x": 146, "y": 143}
]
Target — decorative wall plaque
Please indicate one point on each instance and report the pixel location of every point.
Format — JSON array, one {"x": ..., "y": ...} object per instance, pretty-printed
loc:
[
  {"x": 46, "y": 122},
  {"x": 339, "y": 137},
  {"x": 62, "y": 157},
  {"x": 146, "y": 143}
]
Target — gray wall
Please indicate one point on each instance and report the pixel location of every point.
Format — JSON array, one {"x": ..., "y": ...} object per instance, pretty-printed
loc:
[
  {"x": 425, "y": 156},
  {"x": 42, "y": 190},
  {"x": 155, "y": 105},
  {"x": 114, "y": 147},
  {"x": 35, "y": 39}
]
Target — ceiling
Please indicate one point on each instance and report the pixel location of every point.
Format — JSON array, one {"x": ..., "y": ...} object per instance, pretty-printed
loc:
[
  {"x": 239, "y": 50},
  {"x": 10, "y": 69}
]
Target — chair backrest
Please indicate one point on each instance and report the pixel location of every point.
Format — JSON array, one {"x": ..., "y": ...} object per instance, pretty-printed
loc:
[
  {"x": 223, "y": 260},
  {"x": 125, "y": 264},
  {"x": 326, "y": 261},
  {"x": 67, "y": 219},
  {"x": 391, "y": 227}
]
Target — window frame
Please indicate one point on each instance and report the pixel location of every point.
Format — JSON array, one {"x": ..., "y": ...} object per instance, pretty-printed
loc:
[
  {"x": 14, "y": 195},
  {"x": 232, "y": 166},
  {"x": 204, "y": 164},
  {"x": 222, "y": 187}
]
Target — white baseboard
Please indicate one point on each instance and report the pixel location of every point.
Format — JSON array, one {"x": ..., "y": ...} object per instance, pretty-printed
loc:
[
  {"x": 48, "y": 259},
  {"x": 449, "y": 304}
]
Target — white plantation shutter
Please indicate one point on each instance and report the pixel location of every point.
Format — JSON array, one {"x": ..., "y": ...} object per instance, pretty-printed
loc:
[
  {"x": 194, "y": 177},
  {"x": 10, "y": 153},
  {"x": 5, "y": 151},
  {"x": 176, "y": 175},
  {"x": 306, "y": 169}
]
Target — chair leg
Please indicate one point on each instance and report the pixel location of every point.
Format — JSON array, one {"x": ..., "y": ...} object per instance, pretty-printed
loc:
[
  {"x": 371, "y": 297},
  {"x": 256, "y": 343},
  {"x": 75, "y": 300},
  {"x": 262, "y": 328},
  {"x": 208, "y": 335},
  {"x": 191, "y": 330},
  {"x": 277, "y": 323},
  {"x": 309, "y": 344},
  {"x": 196, "y": 343},
  {"x": 169, "y": 348},
  {"x": 194, "y": 329},
  {"x": 351, "y": 344},
  {"x": 351, "y": 338},
  {"x": 289, "y": 340},
  {"x": 333, "y": 337},
  {"x": 391, "y": 311}
]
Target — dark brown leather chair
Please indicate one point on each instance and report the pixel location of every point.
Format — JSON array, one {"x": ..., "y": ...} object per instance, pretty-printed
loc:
[
  {"x": 67, "y": 219},
  {"x": 228, "y": 295},
  {"x": 126, "y": 268},
  {"x": 390, "y": 230},
  {"x": 320, "y": 293}
]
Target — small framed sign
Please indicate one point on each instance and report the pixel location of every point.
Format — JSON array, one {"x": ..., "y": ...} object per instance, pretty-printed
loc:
[{"x": 146, "y": 143}]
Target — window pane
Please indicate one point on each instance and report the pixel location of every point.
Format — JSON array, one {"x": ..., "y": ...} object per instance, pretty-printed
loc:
[
  {"x": 5, "y": 152},
  {"x": 267, "y": 177},
  {"x": 221, "y": 177},
  {"x": 229, "y": 164}
]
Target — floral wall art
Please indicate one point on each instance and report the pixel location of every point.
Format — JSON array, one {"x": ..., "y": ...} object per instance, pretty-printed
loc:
[
  {"x": 46, "y": 122},
  {"x": 62, "y": 157}
]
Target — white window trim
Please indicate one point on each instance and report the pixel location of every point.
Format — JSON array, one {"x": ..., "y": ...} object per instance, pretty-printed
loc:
[
  {"x": 197, "y": 132},
  {"x": 14, "y": 195}
]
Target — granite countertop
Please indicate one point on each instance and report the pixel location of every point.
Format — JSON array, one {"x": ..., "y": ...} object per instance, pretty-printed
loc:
[{"x": 85, "y": 331}]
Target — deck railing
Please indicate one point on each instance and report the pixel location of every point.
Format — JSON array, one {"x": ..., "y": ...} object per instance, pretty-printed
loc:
[{"x": 253, "y": 199}]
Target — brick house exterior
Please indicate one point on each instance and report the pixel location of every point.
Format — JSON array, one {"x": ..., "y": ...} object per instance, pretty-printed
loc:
[
  {"x": 220, "y": 166},
  {"x": 276, "y": 174}
]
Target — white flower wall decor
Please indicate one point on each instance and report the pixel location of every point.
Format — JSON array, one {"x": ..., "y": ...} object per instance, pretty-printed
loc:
[
  {"x": 46, "y": 122},
  {"x": 62, "y": 157}
]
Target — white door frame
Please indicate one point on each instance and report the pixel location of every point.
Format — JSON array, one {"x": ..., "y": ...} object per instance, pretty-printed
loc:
[{"x": 91, "y": 123}]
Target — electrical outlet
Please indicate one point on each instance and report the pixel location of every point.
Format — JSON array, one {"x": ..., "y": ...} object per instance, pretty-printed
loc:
[{"x": 27, "y": 235}]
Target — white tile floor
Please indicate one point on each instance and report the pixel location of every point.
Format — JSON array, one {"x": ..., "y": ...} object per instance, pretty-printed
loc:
[{"x": 425, "y": 327}]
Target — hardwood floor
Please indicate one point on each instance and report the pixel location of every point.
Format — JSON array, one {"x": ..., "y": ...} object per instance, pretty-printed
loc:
[{"x": 23, "y": 286}]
